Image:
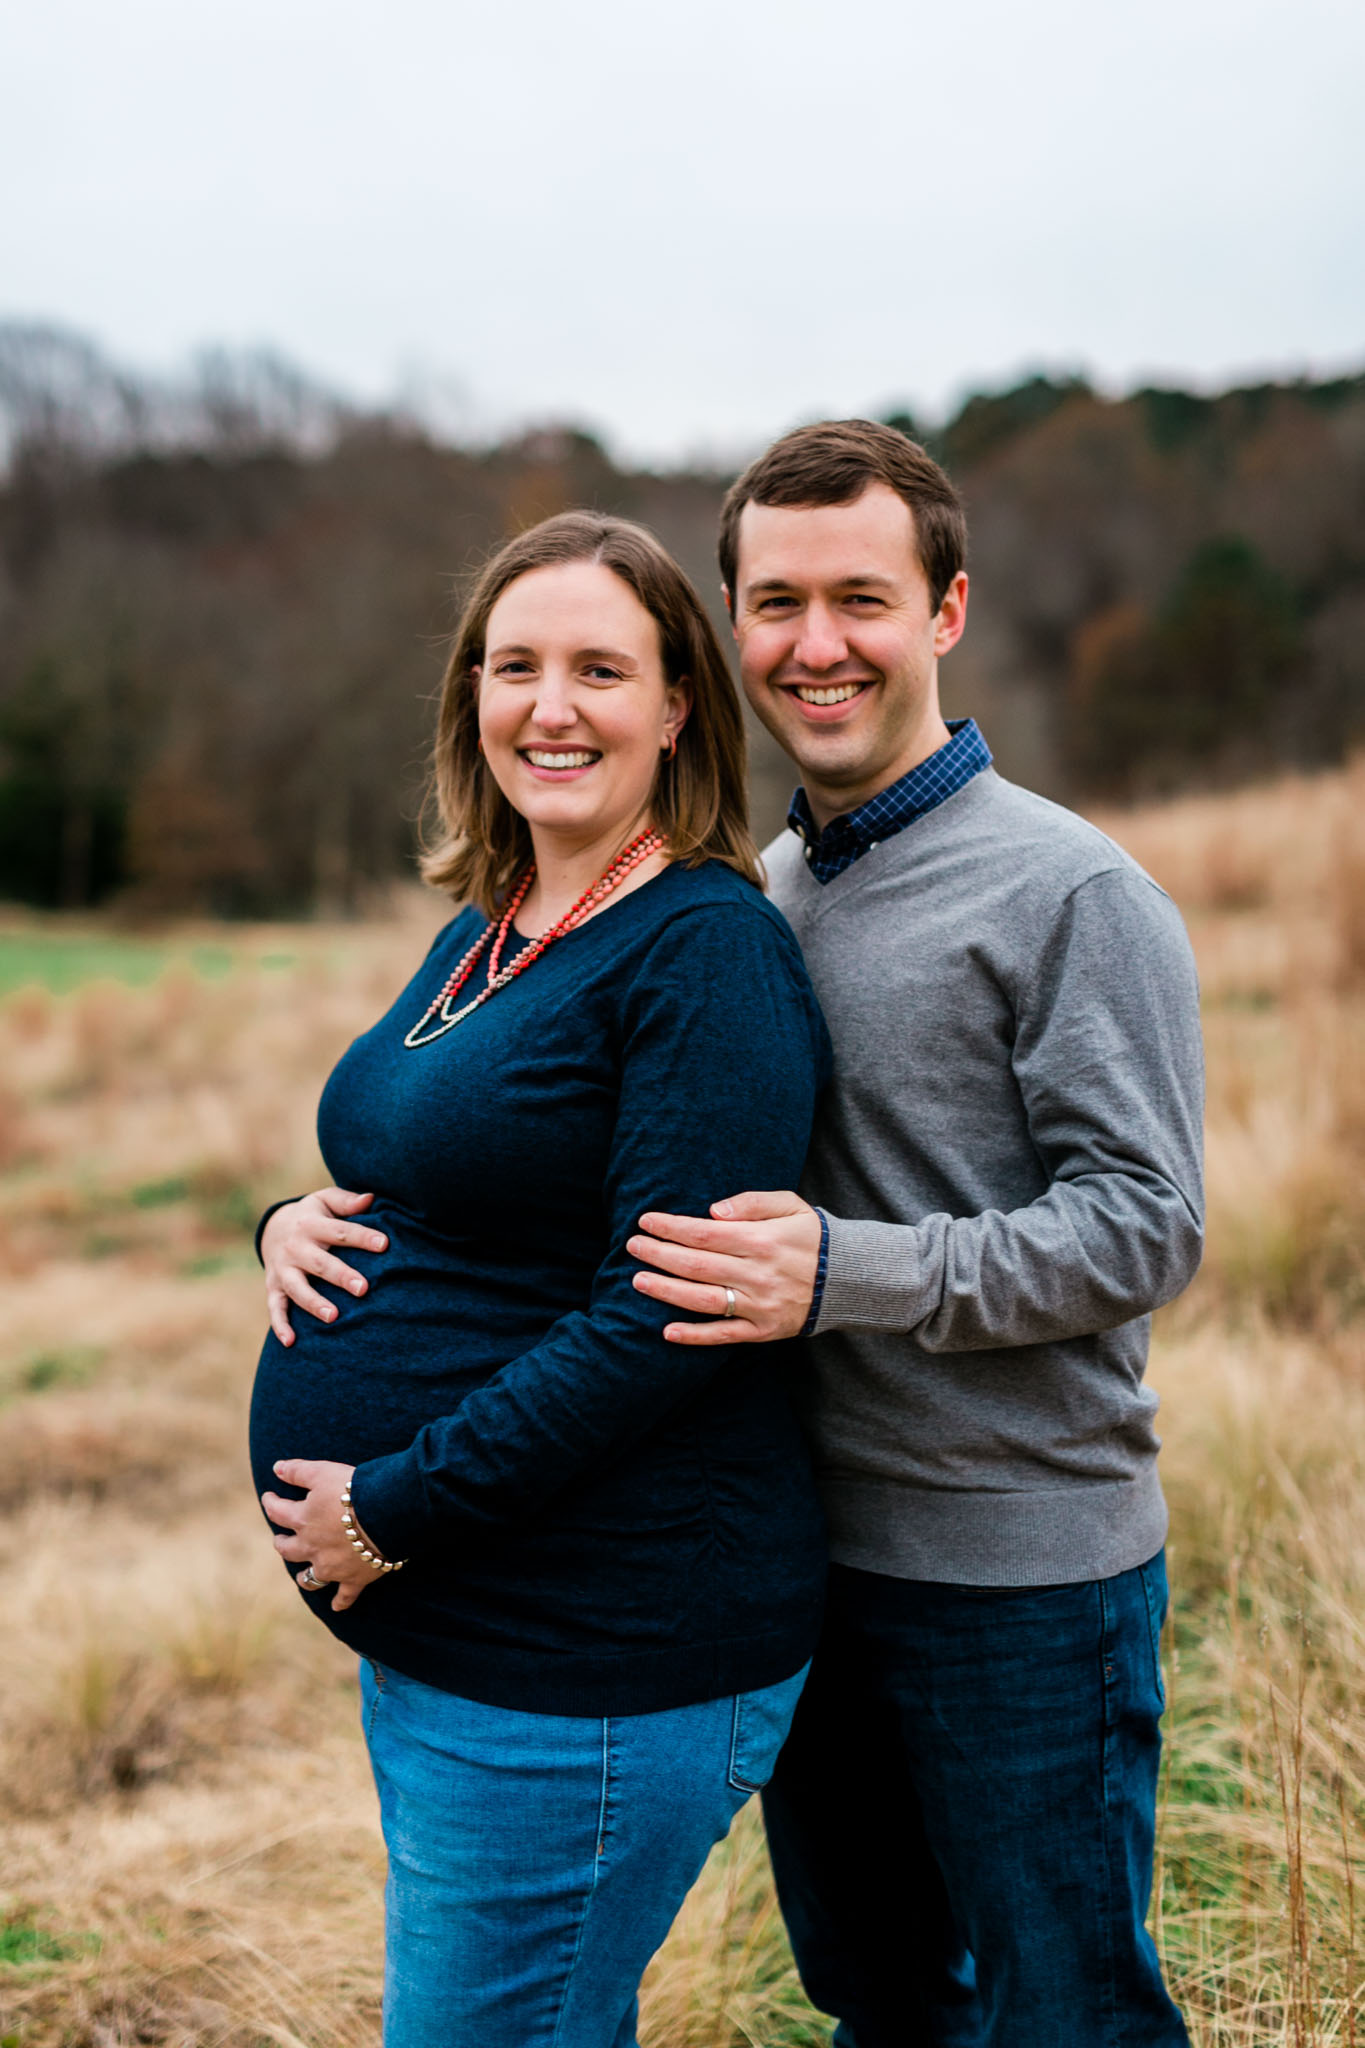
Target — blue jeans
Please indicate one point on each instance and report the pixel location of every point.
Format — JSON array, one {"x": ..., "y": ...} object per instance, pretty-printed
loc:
[
  {"x": 536, "y": 1861},
  {"x": 962, "y": 1821}
]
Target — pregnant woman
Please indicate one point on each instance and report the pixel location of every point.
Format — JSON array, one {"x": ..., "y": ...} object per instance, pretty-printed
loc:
[{"x": 582, "y": 1567}]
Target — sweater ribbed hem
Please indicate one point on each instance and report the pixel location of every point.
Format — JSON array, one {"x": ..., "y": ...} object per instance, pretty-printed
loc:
[{"x": 1052, "y": 1538}]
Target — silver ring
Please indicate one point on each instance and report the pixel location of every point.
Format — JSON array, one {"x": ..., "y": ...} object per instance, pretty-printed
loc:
[
  {"x": 310, "y": 1582},
  {"x": 729, "y": 1302}
]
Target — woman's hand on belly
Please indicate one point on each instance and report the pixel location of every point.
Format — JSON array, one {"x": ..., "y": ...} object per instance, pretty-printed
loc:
[
  {"x": 314, "y": 1533},
  {"x": 296, "y": 1242}
]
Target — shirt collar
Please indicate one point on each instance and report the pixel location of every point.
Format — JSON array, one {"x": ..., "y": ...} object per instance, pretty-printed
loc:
[{"x": 921, "y": 790}]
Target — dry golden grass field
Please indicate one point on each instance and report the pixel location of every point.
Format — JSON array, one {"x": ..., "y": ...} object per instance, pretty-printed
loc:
[{"x": 191, "y": 1852}]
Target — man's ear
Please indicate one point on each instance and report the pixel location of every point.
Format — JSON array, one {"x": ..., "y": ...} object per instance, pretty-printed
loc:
[
  {"x": 952, "y": 614},
  {"x": 729, "y": 605}
]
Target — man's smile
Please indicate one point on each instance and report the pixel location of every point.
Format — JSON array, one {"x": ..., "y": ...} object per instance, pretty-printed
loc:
[{"x": 822, "y": 703}]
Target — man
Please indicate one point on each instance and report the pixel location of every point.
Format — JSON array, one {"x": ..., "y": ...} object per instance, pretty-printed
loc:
[{"x": 1004, "y": 1182}]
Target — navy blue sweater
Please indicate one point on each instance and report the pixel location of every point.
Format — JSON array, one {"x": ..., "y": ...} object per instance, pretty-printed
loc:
[{"x": 596, "y": 1521}]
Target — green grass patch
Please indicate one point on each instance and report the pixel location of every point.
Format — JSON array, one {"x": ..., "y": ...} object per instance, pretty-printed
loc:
[
  {"x": 233, "y": 1209},
  {"x": 44, "y": 1372},
  {"x": 212, "y": 963},
  {"x": 1256, "y": 1000},
  {"x": 106, "y": 1244},
  {"x": 156, "y": 1194},
  {"x": 23, "y": 1944},
  {"x": 62, "y": 961},
  {"x": 59, "y": 963},
  {"x": 73, "y": 1367}
]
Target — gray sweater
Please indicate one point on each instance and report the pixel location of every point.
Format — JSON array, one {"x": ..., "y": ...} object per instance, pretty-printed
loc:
[{"x": 1010, "y": 1159}]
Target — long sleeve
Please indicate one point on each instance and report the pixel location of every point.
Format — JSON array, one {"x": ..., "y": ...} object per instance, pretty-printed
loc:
[
  {"x": 1108, "y": 1062},
  {"x": 721, "y": 1055}
]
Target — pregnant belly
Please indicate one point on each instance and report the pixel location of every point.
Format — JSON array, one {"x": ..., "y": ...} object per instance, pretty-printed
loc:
[{"x": 405, "y": 1354}]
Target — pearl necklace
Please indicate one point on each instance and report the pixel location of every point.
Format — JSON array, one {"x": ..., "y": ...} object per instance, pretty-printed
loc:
[{"x": 640, "y": 849}]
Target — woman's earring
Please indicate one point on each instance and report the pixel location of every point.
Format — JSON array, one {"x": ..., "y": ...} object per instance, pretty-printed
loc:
[
  {"x": 670, "y": 745},
  {"x": 480, "y": 742}
]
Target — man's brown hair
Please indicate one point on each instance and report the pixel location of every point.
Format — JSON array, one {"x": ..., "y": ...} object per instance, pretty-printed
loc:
[
  {"x": 833, "y": 463},
  {"x": 699, "y": 803}
]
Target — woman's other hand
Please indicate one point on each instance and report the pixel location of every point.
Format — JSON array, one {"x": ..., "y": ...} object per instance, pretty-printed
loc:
[
  {"x": 296, "y": 1243},
  {"x": 313, "y": 1532}
]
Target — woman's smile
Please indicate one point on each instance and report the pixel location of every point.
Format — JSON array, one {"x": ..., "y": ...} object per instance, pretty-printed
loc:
[{"x": 558, "y": 764}]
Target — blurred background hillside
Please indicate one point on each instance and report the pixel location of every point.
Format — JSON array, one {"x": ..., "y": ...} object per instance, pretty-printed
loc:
[{"x": 223, "y": 603}]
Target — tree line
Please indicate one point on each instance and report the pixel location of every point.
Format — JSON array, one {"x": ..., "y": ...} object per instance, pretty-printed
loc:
[{"x": 223, "y": 607}]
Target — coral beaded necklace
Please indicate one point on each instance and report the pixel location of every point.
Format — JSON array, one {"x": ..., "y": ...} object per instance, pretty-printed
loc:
[{"x": 640, "y": 849}]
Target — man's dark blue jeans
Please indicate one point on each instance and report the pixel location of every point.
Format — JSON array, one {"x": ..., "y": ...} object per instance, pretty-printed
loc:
[{"x": 962, "y": 1820}]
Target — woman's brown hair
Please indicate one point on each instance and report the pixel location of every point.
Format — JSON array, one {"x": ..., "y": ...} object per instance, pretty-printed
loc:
[{"x": 699, "y": 802}]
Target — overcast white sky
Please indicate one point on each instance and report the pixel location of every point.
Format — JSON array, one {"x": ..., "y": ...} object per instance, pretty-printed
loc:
[{"x": 690, "y": 226}]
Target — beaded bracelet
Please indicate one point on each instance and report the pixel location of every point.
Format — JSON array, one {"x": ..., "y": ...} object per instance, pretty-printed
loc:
[{"x": 356, "y": 1541}]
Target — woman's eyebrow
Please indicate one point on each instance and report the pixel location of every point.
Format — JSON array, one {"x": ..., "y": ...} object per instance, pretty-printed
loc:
[
  {"x": 519, "y": 647},
  {"x": 607, "y": 654}
]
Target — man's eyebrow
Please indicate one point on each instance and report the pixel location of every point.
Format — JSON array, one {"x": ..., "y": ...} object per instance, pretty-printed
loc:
[{"x": 862, "y": 579}]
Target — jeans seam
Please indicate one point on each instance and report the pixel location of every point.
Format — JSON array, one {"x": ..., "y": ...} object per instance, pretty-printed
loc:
[
  {"x": 1154, "y": 1631},
  {"x": 603, "y": 1810},
  {"x": 1107, "y": 1681}
]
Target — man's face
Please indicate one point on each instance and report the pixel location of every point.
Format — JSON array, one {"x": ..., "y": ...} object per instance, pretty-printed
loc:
[{"x": 839, "y": 641}]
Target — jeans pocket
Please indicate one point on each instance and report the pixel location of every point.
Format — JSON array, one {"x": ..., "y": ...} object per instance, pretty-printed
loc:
[
  {"x": 759, "y": 1728},
  {"x": 1153, "y": 1576}
]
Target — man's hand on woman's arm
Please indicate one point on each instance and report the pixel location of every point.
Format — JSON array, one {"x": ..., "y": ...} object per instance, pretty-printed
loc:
[
  {"x": 765, "y": 1247},
  {"x": 296, "y": 1242}
]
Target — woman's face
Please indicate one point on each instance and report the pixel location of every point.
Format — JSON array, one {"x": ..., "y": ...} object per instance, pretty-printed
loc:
[{"x": 574, "y": 708}]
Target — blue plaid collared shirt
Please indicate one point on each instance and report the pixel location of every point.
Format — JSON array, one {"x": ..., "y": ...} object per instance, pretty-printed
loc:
[
  {"x": 854, "y": 833},
  {"x": 917, "y": 793}
]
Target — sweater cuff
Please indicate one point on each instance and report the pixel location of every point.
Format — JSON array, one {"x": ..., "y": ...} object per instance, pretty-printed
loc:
[
  {"x": 387, "y": 1498},
  {"x": 260, "y": 1227},
  {"x": 875, "y": 1278}
]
